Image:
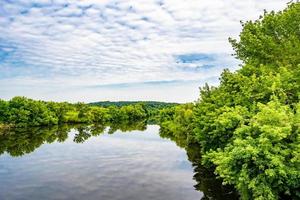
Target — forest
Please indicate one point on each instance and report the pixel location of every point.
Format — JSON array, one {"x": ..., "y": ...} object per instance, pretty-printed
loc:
[
  {"x": 247, "y": 128},
  {"x": 149, "y": 104},
  {"x": 25, "y": 112}
]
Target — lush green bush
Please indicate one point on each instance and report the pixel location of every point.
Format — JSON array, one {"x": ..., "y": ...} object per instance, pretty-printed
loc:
[
  {"x": 248, "y": 126},
  {"x": 21, "y": 112},
  {"x": 271, "y": 40},
  {"x": 263, "y": 157},
  {"x": 178, "y": 120}
]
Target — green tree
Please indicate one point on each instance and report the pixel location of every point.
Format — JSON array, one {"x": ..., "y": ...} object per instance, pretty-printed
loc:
[
  {"x": 271, "y": 40},
  {"x": 263, "y": 159},
  {"x": 248, "y": 126},
  {"x": 4, "y": 111}
]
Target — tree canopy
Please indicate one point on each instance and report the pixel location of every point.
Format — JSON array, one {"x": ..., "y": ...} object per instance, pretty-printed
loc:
[
  {"x": 248, "y": 126},
  {"x": 22, "y": 112}
]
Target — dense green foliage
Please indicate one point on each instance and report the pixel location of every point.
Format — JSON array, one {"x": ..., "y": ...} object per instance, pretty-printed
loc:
[
  {"x": 177, "y": 120},
  {"x": 21, "y": 112},
  {"x": 152, "y": 107},
  {"x": 248, "y": 126},
  {"x": 263, "y": 156},
  {"x": 272, "y": 40}
]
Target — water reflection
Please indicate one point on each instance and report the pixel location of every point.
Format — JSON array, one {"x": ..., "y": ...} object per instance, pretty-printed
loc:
[
  {"x": 20, "y": 141},
  {"x": 137, "y": 166},
  {"x": 207, "y": 183}
]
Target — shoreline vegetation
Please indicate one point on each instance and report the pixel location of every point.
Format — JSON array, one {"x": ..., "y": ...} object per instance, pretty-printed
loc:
[
  {"x": 25, "y": 112},
  {"x": 247, "y": 128}
]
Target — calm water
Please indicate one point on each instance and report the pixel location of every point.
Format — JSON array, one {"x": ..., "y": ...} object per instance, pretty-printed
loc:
[{"x": 96, "y": 162}]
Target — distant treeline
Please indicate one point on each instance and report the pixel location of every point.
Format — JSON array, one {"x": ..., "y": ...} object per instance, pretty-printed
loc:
[
  {"x": 21, "y": 112},
  {"x": 150, "y": 105}
]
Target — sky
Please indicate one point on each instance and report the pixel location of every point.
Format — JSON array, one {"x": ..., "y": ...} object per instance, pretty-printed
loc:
[{"x": 95, "y": 50}]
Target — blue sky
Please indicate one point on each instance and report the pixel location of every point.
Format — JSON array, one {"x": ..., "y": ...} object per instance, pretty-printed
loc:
[{"x": 90, "y": 50}]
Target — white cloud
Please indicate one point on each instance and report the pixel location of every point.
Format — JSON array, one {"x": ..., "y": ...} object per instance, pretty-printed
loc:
[{"x": 68, "y": 43}]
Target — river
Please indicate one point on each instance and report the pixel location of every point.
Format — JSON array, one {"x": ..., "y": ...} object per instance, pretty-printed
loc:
[{"x": 122, "y": 162}]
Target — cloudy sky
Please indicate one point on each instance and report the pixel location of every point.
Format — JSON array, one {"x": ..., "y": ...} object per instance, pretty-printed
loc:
[{"x": 90, "y": 50}]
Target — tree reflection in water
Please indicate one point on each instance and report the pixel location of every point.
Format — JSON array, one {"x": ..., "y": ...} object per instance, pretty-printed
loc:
[
  {"x": 20, "y": 141},
  {"x": 17, "y": 142},
  {"x": 207, "y": 182}
]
